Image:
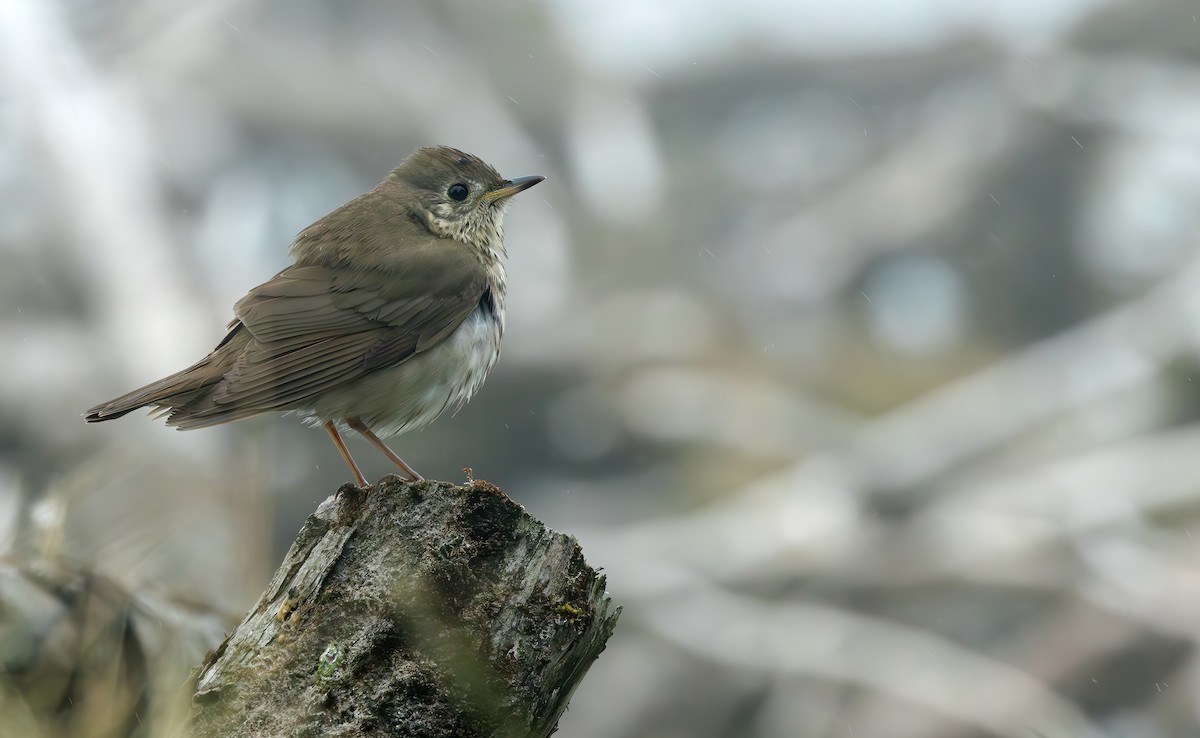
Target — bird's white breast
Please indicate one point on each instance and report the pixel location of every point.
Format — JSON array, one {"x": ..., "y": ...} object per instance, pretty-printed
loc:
[{"x": 410, "y": 395}]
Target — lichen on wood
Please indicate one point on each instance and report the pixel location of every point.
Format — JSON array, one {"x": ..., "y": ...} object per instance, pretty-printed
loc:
[{"x": 412, "y": 609}]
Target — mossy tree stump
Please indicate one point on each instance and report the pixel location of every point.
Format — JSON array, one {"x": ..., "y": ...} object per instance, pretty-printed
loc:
[{"x": 413, "y": 609}]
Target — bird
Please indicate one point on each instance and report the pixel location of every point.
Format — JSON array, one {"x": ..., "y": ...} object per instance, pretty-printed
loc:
[{"x": 390, "y": 314}]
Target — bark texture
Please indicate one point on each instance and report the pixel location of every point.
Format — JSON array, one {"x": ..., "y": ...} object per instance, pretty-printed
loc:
[{"x": 414, "y": 609}]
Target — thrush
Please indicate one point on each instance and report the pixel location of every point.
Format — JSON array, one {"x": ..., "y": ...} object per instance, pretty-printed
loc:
[{"x": 390, "y": 314}]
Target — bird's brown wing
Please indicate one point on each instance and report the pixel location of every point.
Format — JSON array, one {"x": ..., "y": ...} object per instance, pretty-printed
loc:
[{"x": 313, "y": 328}]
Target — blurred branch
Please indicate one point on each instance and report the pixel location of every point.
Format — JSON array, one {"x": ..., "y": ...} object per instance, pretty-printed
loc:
[
  {"x": 1115, "y": 92},
  {"x": 94, "y": 140},
  {"x": 910, "y": 451},
  {"x": 792, "y": 638},
  {"x": 446, "y": 610}
]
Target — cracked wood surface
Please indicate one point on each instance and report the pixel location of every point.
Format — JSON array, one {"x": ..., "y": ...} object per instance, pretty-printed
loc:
[{"x": 412, "y": 609}]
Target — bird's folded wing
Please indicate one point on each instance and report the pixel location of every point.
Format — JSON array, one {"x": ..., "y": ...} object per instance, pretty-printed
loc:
[{"x": 314, "y": 328}]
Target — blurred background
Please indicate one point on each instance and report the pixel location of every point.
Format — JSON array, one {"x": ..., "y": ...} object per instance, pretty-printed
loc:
[{"x": 856, "y": 341}]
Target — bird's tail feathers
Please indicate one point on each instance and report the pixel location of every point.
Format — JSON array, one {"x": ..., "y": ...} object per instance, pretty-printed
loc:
[{"x": 165, "y": 394}]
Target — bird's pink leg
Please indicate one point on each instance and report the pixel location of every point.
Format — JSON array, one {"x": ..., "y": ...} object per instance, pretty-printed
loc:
[
  {"x": 341, "y": 446},
  {"x": 368, "y": 434}
]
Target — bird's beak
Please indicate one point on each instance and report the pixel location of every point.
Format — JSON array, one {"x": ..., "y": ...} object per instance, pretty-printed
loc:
[{"x": 512, "y": 187}]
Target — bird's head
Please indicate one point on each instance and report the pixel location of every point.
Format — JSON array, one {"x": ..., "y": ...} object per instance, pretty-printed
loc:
[{"x": 459, "y": 195}]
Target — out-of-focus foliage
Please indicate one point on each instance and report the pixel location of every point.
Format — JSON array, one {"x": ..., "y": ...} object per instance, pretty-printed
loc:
[
  {"x": 857, "y": 341},
  {"x": 82, "y": 657}
]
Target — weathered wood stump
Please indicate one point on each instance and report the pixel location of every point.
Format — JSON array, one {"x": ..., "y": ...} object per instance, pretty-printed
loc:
[{"x": 415, "y": 609}]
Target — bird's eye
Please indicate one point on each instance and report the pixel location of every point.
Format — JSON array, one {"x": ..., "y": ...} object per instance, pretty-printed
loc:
[{"x": 458, "y": 191}]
